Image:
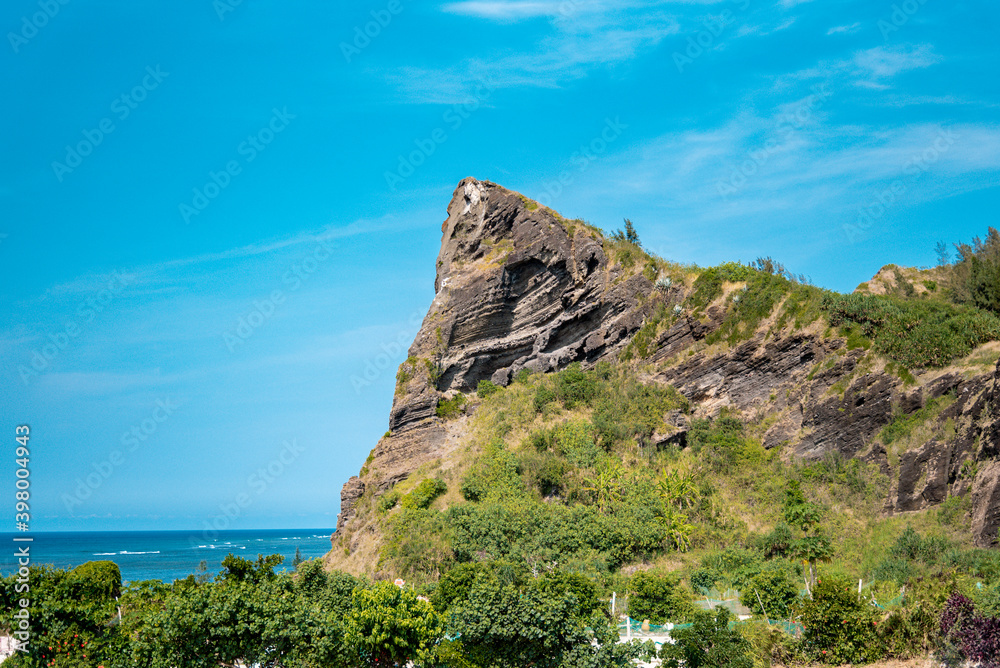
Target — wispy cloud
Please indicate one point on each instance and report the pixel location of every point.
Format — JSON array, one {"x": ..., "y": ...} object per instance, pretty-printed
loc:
[
  {"x": 844, "y": 30},
  {"x": 582, "y": 36},
  {"x": 883, "y": 61},
  {"x": 145, "y": 274},
  {"x": 504, "y": 11}
]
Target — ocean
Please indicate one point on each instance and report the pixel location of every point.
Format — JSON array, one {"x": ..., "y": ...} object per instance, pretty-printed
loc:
[{"x": 162, "y": 555}]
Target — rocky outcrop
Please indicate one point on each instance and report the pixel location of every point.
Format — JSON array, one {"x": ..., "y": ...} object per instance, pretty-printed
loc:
[{"x": 519, "y": 287}]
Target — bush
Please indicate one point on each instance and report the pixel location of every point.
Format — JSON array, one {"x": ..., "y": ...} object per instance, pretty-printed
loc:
[
  {"x": 776, "y": 592},
  {"x": 543, "y": 397},
  {"x": 708, "y": 643},
  {"x": 703, "y": 580},
  {"x": 778, "y": 543},
  {"x": 450, "y": 408},
  {"x": 736, "y": 564},
  {"x": 840, "y": 627},
  {"x": 723, "y": 444},
  {"x": 914, "y": 332},
  {"x": 388, "y": 501},
  {"x": 543, "y": 471},
  {"x": 575, "y": 386},
  {"x": 486, "y": 388},
  {"x": 574, "y": 439},
  {"x": 751, "y": 306},
  {"x": 424, "y": 493},
  {"x": 658, "y": 597},
  {"x": 708, "y": 285},
  {"x": 95, "y": 580},
  {"x": 627, "y": 409}
]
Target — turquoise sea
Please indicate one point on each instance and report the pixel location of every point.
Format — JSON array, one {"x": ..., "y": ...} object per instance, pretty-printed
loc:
[{"x": 161, "y": 555}]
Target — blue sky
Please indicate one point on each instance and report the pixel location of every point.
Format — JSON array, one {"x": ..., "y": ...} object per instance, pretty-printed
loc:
[{"x": 220, "y": 219}]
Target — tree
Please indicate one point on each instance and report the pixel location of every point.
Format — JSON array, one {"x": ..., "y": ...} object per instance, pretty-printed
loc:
[
  {"x": 628, "y": 234},
  {"x": 840, "y": 626},
  {"x": 503, "y": 625},
  {"x": 390, "y": 626},
  {"x": 943, "y": 254},
  {"x": 813, "y": 545},
  {"x": 657, "y": 597},
  {"x": 708, "y": 643},
  {"x": 298, "y": 557}
]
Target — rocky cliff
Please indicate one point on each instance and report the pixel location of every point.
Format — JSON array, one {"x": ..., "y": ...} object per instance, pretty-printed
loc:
[{"x": 520, "y": 287}]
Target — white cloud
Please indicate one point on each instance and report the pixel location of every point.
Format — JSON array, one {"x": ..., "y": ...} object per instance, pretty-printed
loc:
[
  {"x": 847, "y": 30},
  {"x": 504, "y": 11},
  {"x": 884, "y": 61},
  {"x": 582, "y": 35}
]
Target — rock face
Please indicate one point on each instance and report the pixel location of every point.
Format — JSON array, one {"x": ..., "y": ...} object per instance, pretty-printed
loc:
[{"x": 519, "y": 287}]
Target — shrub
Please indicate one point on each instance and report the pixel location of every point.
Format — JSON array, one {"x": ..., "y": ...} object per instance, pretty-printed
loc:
[
  {"x": 539, "y": 439},
  {"x": 751, "y": 306},
  {"x": 708, "y": 285},
  {"x": 658, "y": 597},
  {"x": 575, "y": 386},
  {"x": 703, "y": 579},
  {"x": 708, "y": 643},
  {"x": 95, "y": 580},
  {"x": 894, "y": 570},
  {"x": 450, "y": 408},
  {"x": 775, "y": 591},
  {"x": 424, "y": 493},
  {"x": 778, "y": 543},
  {"x": 626, "y": 408},
  {"x": 486, "y": 388},
  {"x": 736, "y": 564},
  {"x": 388, "y": 501},
  {"x": 543, "y": 396},
  {"x": 574, "y": 439},
  {"x": 723, "y": 445},
  {"x": 497, "y": 471},
  {"x": 543, "y": 471},
  {"x": 914, "y": 332},
  {"x": 840, "y": 627}
]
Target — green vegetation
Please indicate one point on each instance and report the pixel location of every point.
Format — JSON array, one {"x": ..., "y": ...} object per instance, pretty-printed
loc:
[
  {"x": 564, "y": 469},
  {"x": 709, "y": 643},
  {"x": 424, "y": 493},
  {"x": 658, "y": 597},
  {"x": 450, "y": 409},
  {"x": 914, "y": 333}
]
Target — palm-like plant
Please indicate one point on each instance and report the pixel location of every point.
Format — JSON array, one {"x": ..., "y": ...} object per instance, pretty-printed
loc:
[
  {"x": 677, "y": 488},
  {"x": 677, "y": 529},
  {"x": 606, "y": 486}
]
